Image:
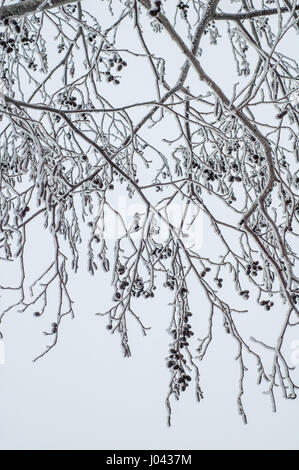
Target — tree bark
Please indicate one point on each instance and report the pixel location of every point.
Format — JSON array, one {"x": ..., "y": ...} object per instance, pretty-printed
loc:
[
  {"x": 247, "y": 15},
  {"x": 30, "y": 6}
]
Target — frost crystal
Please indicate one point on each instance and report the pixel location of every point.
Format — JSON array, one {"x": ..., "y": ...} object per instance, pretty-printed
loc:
[
  {"x": 294, "y": 97},
  {"x": 1, "y": 89}
]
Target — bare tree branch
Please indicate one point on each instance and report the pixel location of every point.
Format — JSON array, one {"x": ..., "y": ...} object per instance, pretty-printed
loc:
[
  {"x": 251, "y": 14},
  {"x": 182, "y": 148}
]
